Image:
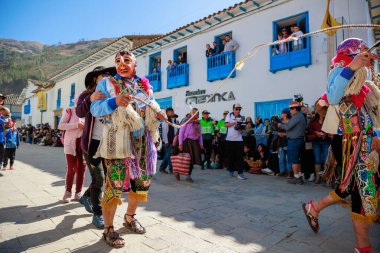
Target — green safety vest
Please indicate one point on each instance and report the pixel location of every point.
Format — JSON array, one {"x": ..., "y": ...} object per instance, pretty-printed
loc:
[
  {"x": 222, "y": 126},
  {"x": 207, "y": 126}
]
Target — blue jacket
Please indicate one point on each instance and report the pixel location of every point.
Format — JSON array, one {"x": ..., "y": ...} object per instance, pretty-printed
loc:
[
  {"x": 337, "y": 82},
  {"x": 107, "y": 106},
  {"x": 12, "y": 139},
  {"x": 2, "y": 124}
]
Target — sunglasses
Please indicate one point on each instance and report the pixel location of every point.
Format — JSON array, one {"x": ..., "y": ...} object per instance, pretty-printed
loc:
[{"x": 237, "y": 109}]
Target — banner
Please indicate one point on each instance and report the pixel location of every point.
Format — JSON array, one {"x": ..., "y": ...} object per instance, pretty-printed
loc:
[
  {"x": 329, "y": 21},
  {"x": 41, "y": 103}
]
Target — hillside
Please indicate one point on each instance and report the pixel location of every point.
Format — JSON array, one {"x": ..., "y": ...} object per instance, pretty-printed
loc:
[{"x": 21, "y": 60}]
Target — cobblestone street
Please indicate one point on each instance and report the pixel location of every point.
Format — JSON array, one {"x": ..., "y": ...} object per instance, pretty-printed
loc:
[{"x": 214, "y": 214}]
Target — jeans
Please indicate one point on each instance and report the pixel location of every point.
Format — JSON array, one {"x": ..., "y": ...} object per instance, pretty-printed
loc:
[
  {"x": 207, "y": 144},
  {"x": 75, "y": 166},
  {"x": 235, "y": 152},
  {"x": 284, "y": 164},
  {"x": 166, "y": 161},
  {"x": 9, "y": 153},
  {"x": 95, "y": 166},
  {"x": 320, "y": 149},
  {"x": 295, "y": 150}
]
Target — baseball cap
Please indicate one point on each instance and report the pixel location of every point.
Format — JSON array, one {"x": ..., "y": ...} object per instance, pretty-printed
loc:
[
  {"x": 205, "y": 112},
  {"x": 237, "y": 105},
  {"x": 225, "y": 112}
]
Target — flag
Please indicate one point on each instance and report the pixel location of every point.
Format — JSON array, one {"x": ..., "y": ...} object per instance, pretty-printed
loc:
[
  {"x": 329, "y": 21},
  {"x": 41, "y": 104}
]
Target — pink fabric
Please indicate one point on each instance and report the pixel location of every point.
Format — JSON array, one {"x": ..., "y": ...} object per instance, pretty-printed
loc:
[
  {"x": 72, "y": 131},
  {"x": 76, "y": 166},
  {"x": 188, "y": 132}
]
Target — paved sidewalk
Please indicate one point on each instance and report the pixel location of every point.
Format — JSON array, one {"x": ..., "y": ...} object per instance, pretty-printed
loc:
[{"x": 215, "y": 214}]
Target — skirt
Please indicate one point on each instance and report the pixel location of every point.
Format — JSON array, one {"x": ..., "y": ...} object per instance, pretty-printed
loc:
[{"x": 194, "y": 149}]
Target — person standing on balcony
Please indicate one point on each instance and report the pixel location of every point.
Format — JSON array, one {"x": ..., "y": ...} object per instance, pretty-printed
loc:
[
  {"x": 231, "y": 45},
  {"x": 209, "y": 50},
  {"x": 216, "y": 48},
  {"x": 207, "y": 125},
  {"x": 297, "y": 44}
]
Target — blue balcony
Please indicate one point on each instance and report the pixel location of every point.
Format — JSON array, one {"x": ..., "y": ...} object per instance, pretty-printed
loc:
[
  {"x": 178, "y": 76},
  {"x": 27, "y": 109},
  {"x": 219, "y": 66},
  {"x": 58, "y": 104},
  {"x": 288, "y": 58},
  {"x": 71, "y": 101},
  {"x": 155, "y": 81}
]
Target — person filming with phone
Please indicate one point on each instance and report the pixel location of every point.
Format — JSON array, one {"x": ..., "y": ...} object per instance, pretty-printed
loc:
[{"x": 235, "y": 124}]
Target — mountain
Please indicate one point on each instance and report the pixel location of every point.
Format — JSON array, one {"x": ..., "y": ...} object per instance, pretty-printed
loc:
[{"x": 22, "y": 60}]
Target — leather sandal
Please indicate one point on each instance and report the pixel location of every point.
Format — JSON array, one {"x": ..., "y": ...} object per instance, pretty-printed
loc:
[
  {"x": 113, "y": 238},
  {"x": 310, "y": 218},
  {"x": 134, "y": 226}
]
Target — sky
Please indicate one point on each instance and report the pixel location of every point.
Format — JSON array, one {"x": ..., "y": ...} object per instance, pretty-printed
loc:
[{"x": 68, "y": 21}]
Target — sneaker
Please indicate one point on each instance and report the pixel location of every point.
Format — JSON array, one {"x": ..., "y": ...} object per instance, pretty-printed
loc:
[
  {"x": 77, "y": 196},
  {"x": 295, "y": 180},
  {"x": 312, "y": 178},
  {"x": 241, "y": 177},
  {"x": 267, "y": 171},
  {"x": 12, "y": 168},
  {"x": 98, "y": 221},
  {"x": 66, "y": 197},
  {"x": 4, "y": 167},
  {"x": 231, "y": 173},
  {"x": 85, "y": 200}
]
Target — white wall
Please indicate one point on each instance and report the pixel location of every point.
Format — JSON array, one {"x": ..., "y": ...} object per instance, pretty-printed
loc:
[{"x": 255, "y": 83}]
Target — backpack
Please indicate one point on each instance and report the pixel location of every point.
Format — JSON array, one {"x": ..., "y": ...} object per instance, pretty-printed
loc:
[{"x": 64, "y": 131}]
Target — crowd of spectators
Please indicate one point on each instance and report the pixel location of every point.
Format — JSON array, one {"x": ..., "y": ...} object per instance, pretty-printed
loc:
[
  {"x": 228, "y": 45},
  {"x": 42, "y": 135},
  {"x": 264, "y": 146}
]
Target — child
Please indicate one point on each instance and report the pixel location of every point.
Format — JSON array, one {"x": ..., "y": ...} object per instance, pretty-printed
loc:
[
  {"x": 248, "y": 157},
  {"x": 12, "y": 141}
]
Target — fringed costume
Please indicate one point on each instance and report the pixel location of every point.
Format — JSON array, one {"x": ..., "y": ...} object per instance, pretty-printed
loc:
[
  {"x": 129, "y": 137},
  {"x": 354, "y": 106}
]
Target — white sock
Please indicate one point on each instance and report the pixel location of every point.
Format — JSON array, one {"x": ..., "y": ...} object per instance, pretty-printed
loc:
[{"x": 297, "y": 175}]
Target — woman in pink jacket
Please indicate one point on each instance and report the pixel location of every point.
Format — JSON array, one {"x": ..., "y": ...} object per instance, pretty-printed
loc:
[{"x": 74, "y": 128}]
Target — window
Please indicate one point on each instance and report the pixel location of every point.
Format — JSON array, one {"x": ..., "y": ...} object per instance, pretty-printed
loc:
[
  {"x": 155, "y": 63},
  {"x": 27, "y": 108},
  {"x": 267, "y": 109},
  {"x": 178, "y": 72},
  {"x": 154, "y": 75},
  {"x": 220, "y": 65},
  {"x": 72, "y": 94},
  {"x": 59, "y": 99},
  {"x": 291, "y": 54},
  {"x": 165, "y": 102}
]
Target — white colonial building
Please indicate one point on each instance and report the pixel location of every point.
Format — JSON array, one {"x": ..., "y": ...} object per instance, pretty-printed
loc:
[{"x": 265, "y": 85}]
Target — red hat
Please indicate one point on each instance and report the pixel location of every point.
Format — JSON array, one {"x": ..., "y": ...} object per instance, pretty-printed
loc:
[{"x": 294, "y": 104}]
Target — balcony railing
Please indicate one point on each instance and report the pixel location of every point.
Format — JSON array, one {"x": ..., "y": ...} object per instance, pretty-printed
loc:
[
  {"x": 287, "y": 56},
  {"x": 155, "y": 81},
  {"x": 178, "y": 76},
  {"x": 219, "y": 66}
]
